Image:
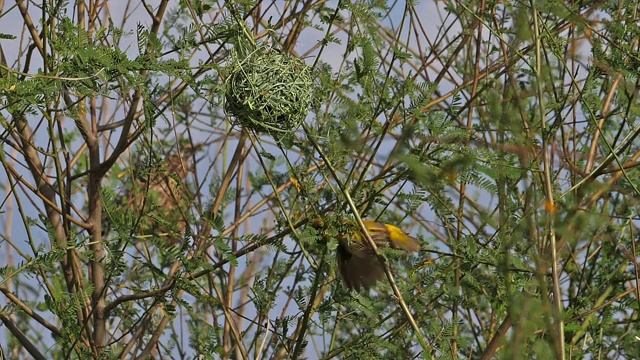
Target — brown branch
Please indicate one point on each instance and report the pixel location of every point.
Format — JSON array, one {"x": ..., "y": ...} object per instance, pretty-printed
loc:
[
  {"x": 27, "y": 310},
  {"x": 494, "y": 343},
  {"x": 21, "y": 337}
]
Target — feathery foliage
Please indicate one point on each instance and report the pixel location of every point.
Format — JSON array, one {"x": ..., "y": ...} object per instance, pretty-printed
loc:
[{"x": 141, "y": 221}]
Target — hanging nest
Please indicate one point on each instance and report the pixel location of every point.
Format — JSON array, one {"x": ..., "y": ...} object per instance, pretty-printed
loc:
[
  {"x": 157, "y": 196},
  {"x": 268, "y": 91}
]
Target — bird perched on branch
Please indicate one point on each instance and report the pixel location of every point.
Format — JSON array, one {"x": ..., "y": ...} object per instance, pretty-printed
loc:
[{"x": 359, "y": 266}]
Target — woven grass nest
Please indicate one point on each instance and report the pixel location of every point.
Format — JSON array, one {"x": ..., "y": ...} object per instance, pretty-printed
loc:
[{"x": 268, "y": 91}]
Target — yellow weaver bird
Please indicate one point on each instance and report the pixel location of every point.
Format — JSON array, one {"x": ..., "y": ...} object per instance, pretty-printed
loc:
[{"x": 358, "y": 264}]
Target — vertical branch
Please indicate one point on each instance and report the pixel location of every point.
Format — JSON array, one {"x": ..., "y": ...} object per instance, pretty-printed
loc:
[
  {"x": 463, "y": 185},
  {"x": 548, "y": 189},
  {"x": 97, "y": 247},
  {"x": 226, "y": 340}
]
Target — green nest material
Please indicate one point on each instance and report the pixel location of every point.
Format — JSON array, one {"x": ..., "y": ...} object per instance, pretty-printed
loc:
[{"x": 268, "y": 91}]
